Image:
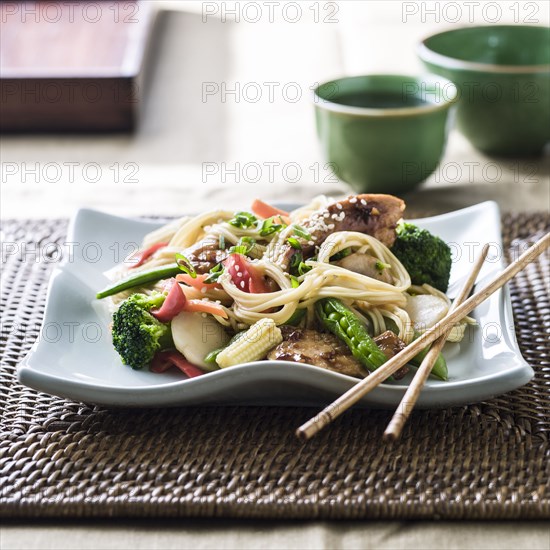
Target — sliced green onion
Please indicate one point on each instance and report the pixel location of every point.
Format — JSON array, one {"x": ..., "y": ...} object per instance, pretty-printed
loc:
[
  {"x": 238, "y": 249},
  {"x": 294, "y": 282},
  {"x": 301, "y": 232},
  {"x": 185, "y": 265},
  {"x": 294, "y": 243},
  {"x": 214, "y": 274},
  {"x": 221, "y": 242},
  {"x": 243, "y": 220},
  {"x": 380, "y": 266},
  {"x": 339, "y": 255},
  {"x": 295, "y": 262},
  {"x": 303, "y": 268},
  {"x": 269, "y": 227},
  {"x": 244, "y": 246}
]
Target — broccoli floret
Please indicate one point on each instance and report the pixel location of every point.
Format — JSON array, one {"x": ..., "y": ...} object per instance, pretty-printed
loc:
[
  {"x": 426, "y": 257},
  {"x": 137, "y": 335}
]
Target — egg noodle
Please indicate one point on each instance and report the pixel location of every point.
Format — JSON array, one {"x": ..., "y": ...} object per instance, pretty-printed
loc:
[{"x": 378, "y": 303}]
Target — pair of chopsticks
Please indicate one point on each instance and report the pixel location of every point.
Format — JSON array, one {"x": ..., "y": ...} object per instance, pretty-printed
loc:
[{"x": 436, "y": 335}]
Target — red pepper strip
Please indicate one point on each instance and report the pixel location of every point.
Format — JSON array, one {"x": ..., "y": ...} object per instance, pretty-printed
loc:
[
  {"x": 172, "y": 305},
  {"x": 164, "y": 360},
  {"x": 244, "y": 275},
  {"x": 257, "y": 284},
  {"x": 236, "y": 266},
  {"x": 145, "y": 254}
]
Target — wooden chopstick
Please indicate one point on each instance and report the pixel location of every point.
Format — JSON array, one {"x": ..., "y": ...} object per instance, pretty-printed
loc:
[
  {"x": 345, "y": 401},
  {"x": 403, "y": 411}
]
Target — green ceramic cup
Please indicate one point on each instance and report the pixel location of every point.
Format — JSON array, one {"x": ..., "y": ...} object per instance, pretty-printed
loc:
[
  {"x": 502, "y": 74},
  {"x": 384, "y": 133}
]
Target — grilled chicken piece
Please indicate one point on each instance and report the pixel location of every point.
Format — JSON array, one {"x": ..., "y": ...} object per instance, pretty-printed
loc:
[
  {"x": 321, "y": 349},
  {"x": 391, "y": 345},
  {"x": 327, "y": 351},
  {"x": 375, "y": 215},
  {"x": 205, "y": 254},
  {"x": 365, "y": 265}
]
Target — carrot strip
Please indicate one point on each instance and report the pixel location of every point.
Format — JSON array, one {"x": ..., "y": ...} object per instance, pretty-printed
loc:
[
  {"x": 264, "y": 210},
  {"x": 202, "y": 306},
  {"x": 197, "y": 282}
]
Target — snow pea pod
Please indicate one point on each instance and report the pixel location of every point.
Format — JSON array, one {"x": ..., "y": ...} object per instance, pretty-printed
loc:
[
  {"x": 140, "y": 279},
  {"x": 344, "y": 324}
]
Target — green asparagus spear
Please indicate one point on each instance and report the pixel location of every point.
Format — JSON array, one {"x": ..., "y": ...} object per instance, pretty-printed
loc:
[
  {"x": 139, "y": 279},
  {"x": 344, "y": 324}
]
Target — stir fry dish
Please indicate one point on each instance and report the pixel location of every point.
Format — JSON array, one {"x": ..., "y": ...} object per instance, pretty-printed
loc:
[{"x": 339, "y": 284}]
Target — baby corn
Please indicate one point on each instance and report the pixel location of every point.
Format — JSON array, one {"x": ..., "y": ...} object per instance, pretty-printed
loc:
[{"x": 252, "y": 345}]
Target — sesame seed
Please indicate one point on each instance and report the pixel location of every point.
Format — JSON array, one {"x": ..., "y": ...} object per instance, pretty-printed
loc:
[
  {"x": 339, "y": 206},
  {"x": 203, "y": 315},
  {"x": 204, "y": 289},
  {"x": 237, "y": 268},
  {"x": 326, "y": 215},
  {"x": 330, "y": 226},
  {"x": 310, "y": 243},
  {"x": 353, "y": 200},
  {"x": 363, "y": 202},
  {"x": 334, "y": 216},
  {"x": 239, "y": 274},
  {"x": 242, "y": 284}
]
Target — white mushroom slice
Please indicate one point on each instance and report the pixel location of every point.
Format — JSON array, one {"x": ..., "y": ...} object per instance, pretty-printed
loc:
[{"x": 195, "y": 336}]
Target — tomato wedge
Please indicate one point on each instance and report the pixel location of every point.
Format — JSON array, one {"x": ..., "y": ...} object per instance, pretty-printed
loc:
[
  {"x": 172, "y": 305},
  {"x": 164, "y": 360},
  {"x": 244, "y": 275},
  {"x": 145, "y": 254}
]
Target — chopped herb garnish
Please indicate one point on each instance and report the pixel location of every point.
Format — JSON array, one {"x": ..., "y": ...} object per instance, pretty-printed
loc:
[
  {"x": 301, "y": 232},
  {"x": 294, "y": 282},
  {"x": 221, "y": 242},
  {"x": 214, "y": 274},
  {"x": 380, "y": 266},
  {"x": 269, "y": 227},
  {"x": 243, "y": 220},
  {"x": 339, "y": 255},
  {"x": 185, "y": 265},
  {"x": 294, "y": 243}
]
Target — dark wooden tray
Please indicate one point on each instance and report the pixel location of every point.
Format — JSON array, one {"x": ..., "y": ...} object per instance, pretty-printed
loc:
[{"x": 68, "y": 66}]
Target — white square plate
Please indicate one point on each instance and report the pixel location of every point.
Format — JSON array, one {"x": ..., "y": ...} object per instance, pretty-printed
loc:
[{"x": 74, "y": 357}]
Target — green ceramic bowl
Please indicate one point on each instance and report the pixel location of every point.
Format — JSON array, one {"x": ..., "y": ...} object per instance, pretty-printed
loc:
[
  {"x": 384, "y": 133},
  {"x": 503, "y": 77}
]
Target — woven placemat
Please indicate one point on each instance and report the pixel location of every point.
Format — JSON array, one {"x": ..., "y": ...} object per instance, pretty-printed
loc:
[{"x": 64, "y": 459}]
